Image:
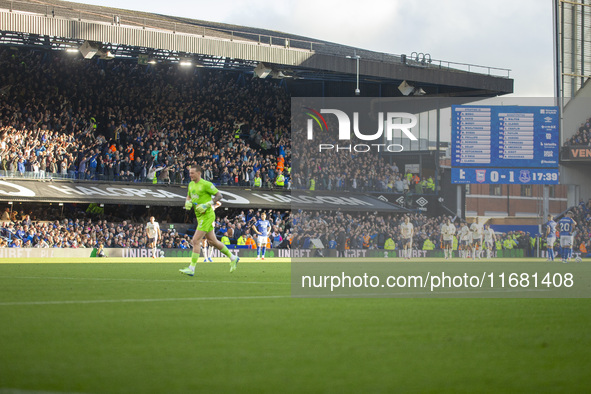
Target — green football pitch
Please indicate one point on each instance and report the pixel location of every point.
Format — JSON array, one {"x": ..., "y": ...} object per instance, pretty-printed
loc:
[{"x": 111, "y": 326}]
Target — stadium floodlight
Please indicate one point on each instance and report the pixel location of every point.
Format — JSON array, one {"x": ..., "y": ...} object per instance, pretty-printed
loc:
[
  {"x": 186, "y": 62},
  {"x": 356, "y": 57},
  {"x": 72, "y": 50}
]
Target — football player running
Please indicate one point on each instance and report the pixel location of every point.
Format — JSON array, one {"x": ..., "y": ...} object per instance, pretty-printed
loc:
[{"x": 202, "y": 195}]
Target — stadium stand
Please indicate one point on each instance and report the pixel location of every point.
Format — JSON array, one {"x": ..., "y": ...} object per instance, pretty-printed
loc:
[
  {"x": 67, "y": 118},
  {"x": 582, "y": 240},
  {"x": 64, "y": 117},
  {"x": 582, "y": 137},
  {"x": 334, "y": 229}
]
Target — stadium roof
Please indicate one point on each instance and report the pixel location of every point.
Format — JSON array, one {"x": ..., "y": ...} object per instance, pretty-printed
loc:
[{"x": 147, "y": 37}]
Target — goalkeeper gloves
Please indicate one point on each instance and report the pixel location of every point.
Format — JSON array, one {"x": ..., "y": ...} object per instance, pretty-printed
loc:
[
  {"x": 188, "y": 205},
  {"x": 201, "y": 208}
]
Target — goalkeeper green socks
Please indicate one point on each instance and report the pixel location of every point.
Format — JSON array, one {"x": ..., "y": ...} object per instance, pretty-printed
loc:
[
  {"x": 226, "y": 251},
  {"x": 194, "y": 258}
]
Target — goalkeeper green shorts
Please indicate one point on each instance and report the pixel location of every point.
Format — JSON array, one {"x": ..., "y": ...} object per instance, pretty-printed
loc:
[{"x": 205, "y": 221}]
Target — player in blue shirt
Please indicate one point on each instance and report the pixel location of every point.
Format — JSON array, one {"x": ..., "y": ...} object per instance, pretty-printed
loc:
[
  {"x": 550, "y": 237},
  {"x": 261, "y": 228},
  {"x": 566, "y": 227}
]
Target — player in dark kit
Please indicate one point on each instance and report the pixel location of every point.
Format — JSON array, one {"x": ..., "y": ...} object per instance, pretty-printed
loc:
[
  {"x": 566, "y": 227},
  {"x": 261, "y": 228}
]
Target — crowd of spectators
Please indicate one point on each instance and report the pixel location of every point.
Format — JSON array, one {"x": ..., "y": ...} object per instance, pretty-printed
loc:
[
  {"x": 343, "y": 230},
  {"x": 62, "y": 116},
  {"x": 582, "y": 137},
  {"x": 32, "y": 229},
  {"x": 582, "y": 215},
  {"x": 65, "y": 117},
  {"x": 25, "y": 229},
  {"x": 347, "y": 168},
  {"x": 83, "y": 234},
  {"x": 369, "y": 174},
  {"x": 334, "y": 229}
]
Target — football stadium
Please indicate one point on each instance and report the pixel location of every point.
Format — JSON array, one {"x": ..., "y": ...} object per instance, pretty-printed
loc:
[{"x": 194, "y": 206}]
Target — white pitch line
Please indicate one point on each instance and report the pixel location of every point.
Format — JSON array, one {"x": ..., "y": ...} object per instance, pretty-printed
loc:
[
  {"x": 136, "y": 300},
  {"x": 67, "y": 302},
  {"x": 144, "y": 280},
  {"x": 440, "y": 294}
]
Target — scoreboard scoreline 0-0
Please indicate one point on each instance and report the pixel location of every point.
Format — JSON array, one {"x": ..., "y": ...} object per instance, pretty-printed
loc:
[{"x": 505, "y": 144}]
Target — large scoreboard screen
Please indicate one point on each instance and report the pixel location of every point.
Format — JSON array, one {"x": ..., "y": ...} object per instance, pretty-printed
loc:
[{"x": 505, "y": 137}]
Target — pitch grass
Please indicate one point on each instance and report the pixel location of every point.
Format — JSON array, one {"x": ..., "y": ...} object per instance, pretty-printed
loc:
[{"x": 144, "y": 328}]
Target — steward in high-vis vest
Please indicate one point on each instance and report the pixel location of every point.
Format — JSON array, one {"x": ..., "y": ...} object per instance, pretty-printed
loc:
[
  {"x": 258, "y": 181},
  {"x": 280, "y": 181},
  {"x": 390, "y": 244},
  {"x": 225, "y": 240},
  {"x": 498, "y": 244},
  {"x": 430, "y": 185},
  {"x": 428, "y": 245}
]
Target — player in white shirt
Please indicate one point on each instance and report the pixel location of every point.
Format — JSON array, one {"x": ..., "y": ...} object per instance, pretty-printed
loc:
[
  {"x": 154, "y": 235},
  {"x": 489, "y": 239},
  {"x": 447, "y": 238},
  {"x": 205, "y": 251},
  {"x": 465, "y": 238},
  {"x": 407, "y": 231},
  {"x": 476, "y": 231}
]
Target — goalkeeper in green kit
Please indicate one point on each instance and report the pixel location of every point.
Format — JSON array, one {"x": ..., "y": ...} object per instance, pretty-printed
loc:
[{"x": 199, "y": 197}]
